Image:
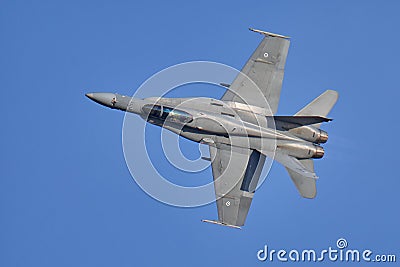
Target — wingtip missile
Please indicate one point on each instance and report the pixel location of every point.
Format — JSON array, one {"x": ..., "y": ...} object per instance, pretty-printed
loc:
[
  {"x": 222, "y": 224},
  {"x": 269, "y": 33}
]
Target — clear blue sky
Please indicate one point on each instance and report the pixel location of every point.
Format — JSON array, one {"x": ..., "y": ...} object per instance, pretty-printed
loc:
[{"x": 66, "y": 195}]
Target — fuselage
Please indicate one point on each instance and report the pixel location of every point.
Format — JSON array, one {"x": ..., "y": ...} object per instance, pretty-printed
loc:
[{"x": 212, "y": 121}]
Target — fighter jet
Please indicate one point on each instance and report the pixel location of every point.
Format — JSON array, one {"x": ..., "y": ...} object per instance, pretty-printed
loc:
[{"x": 242, "y": 129}]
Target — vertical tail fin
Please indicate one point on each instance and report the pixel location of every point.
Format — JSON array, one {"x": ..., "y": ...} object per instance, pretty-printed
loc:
[{"x": 320, "y": 106}]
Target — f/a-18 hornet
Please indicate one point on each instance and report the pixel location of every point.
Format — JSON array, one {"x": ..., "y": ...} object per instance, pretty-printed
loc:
[{"x": 242, "y": 129}]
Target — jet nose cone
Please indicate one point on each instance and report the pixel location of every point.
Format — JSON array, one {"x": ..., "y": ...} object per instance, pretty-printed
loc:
[
  {"x": 89, "y": 96},
  {"x": 106, "y": 99}
]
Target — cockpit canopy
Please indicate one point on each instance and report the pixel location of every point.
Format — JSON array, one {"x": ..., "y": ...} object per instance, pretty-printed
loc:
[{"x": 167, "y": 113}]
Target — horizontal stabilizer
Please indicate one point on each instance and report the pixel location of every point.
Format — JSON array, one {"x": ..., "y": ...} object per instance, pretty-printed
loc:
[
  {"x": 305, "y": 185},
  {"x": 291, "y": 163},
  {"x": 301, "y": 120},
  {"x": 294, "y": 165}
]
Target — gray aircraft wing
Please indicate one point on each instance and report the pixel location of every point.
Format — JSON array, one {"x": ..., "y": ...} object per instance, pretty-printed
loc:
[
  {"x": 236, "y": 172},
  {"x": 265, "y": 68}
]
